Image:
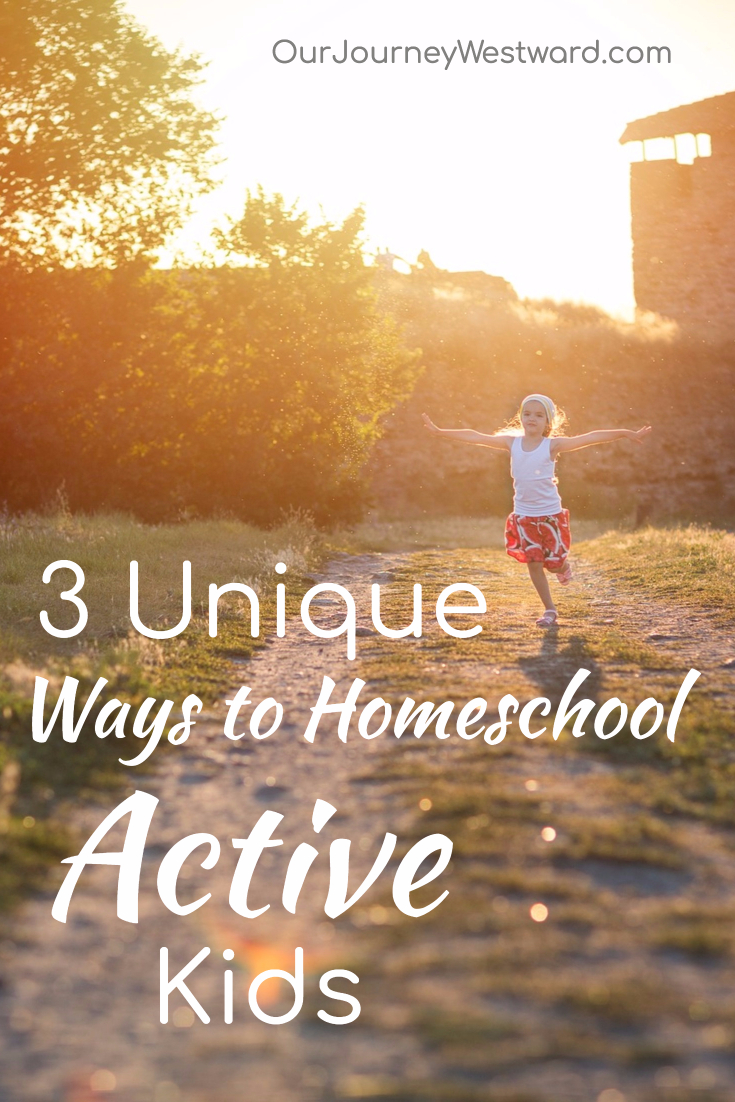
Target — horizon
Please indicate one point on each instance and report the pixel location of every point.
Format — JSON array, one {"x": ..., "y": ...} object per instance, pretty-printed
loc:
[{"x": 544, "y": 202}]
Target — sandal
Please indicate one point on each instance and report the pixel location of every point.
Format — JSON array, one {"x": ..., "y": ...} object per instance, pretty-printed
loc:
[
  {"x": 548, "y": 620},
  {"x": 564, "y": 576}
]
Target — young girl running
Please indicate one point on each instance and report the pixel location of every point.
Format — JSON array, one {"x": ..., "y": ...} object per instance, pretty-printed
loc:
[{"x": 537, "y": 531}]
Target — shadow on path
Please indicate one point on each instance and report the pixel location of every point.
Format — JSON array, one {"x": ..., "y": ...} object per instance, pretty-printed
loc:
[{"x": 554, "y": 667}]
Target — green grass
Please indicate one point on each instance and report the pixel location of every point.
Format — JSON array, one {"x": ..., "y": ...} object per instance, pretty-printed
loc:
[
  {"x": 28, "y": 848},
  {"x": 383, "y": 534},
  {"x": 220, "y": 551},
  {"x": 480, "y": 984},
  {"x": 35, "y": 778},
  {"x": 693, "y": 566},
  {"x": 633, "y": 932}
]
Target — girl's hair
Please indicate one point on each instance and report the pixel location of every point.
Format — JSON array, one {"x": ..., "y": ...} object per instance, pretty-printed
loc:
[{"x": 556, "y": 428}]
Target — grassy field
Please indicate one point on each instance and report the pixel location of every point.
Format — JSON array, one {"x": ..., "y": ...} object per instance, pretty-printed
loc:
[
  {"x": 627, "y": 846},
  {"x": 692, "y": 566},
  {"x": 445, "y": 533},
  {"x": 35, "y": 780}
]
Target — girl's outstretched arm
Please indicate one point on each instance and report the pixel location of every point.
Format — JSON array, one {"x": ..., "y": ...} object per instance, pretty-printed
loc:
[
  {"x": 561, "y": 444},
  {"x": 469, "y": 436}
]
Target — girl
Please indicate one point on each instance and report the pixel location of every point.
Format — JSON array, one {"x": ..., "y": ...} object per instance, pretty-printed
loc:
[{"x": 537, "y": 531}]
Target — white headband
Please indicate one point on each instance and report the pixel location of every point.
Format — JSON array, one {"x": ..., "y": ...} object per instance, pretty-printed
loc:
[{"x": 549, "y": 407}]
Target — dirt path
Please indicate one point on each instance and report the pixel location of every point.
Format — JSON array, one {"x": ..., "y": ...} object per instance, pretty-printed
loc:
[
  {"x": 478, "y": 1002},
  {"x": 84, "y": 996},
  {"x": 694, "y": 637}
]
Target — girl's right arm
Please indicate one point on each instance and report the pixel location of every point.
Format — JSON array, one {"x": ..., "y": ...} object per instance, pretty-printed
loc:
[{"x": 469, "y": 436}]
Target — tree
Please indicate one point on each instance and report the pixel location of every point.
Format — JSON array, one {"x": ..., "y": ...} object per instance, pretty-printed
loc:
[
  {"x": 260, "y": 383},
  {"x": 248, "y": 387},
  {"x": 102, "y": 150},
  {"x": 305, "y": 363},
  {"x": 101, "y": 146}
]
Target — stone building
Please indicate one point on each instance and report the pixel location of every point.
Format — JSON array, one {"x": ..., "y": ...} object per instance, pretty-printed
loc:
[{"x": 682, "y": 189}]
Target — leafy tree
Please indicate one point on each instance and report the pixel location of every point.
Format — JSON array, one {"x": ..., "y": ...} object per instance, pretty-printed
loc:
[
  {"x": 101, "y": 145},
  {"x": 310, "y": 365},
  {"x": 247, "y": 388},
  {"x": 102, "y": 150},
  {"x": 260, "y": 383}
]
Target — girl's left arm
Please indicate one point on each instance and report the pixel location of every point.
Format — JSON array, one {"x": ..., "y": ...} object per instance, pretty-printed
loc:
[{"x": 561, "y": 444}]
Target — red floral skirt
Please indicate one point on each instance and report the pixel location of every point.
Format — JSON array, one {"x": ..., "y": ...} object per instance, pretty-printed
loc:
[{"x": 539, "y": 539}]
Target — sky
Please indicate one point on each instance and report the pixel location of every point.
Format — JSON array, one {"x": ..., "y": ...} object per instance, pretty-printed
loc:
[{"x": 512, "y": 169}]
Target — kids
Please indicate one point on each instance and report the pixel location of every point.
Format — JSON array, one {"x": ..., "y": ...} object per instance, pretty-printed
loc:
[{"x": 537, "y": 531}]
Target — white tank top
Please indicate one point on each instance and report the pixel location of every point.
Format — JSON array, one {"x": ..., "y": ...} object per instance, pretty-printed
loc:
[{"x": 534, "y": 484}]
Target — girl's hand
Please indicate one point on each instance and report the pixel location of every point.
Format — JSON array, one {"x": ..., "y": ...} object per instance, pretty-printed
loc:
[
  {"x": 641, "y": 434},
  {"x": 429, "y": 425}
]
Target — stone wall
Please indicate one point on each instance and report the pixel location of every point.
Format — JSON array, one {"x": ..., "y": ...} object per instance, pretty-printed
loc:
[
  {"x": 481, "y": 358},
  {"x": 683, "y": 224}
]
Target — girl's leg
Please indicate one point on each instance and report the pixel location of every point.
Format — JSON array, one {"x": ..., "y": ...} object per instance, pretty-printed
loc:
[
  {"x": 565, "y": 575},
  {"x": 541, "y": 583}
]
